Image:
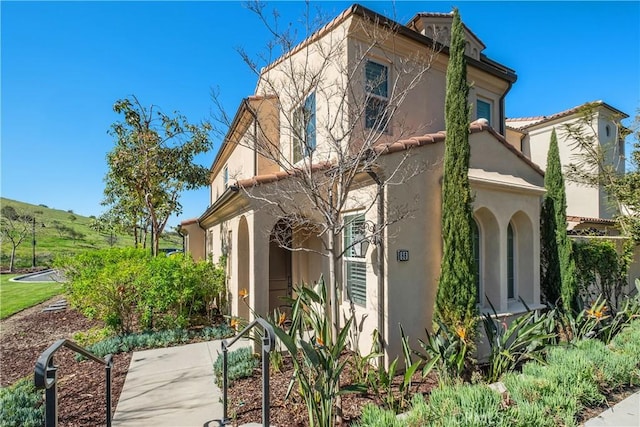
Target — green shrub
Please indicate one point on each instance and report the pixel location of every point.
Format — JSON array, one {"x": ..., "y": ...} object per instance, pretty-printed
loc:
[
  {"x": 21, "y": 405},
  {"x": 151, "y": 339},
  {"x": 464, "y": 405},
  {"x": 612, "y": 369},
  {"x": 240, "y": 364},
  {"x": 374, "y": 416},
  {"x": 127, "y": 287}
]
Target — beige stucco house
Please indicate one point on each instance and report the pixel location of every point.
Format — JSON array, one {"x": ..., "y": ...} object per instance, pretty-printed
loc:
[
  {"x": 392, "y": 279},
  {"x": 590, "y": 213}
]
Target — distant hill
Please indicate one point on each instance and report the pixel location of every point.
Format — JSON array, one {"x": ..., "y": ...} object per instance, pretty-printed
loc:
[{"x": 58, "y": 232}]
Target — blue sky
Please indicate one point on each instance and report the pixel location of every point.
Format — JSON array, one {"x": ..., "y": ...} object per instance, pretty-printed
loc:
[{"x": 65, "y": 63}]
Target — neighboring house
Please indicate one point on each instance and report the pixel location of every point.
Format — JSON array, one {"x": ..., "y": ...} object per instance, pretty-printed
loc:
[
  {"x": 590, "y": 213},
  {"x": 249, "y": 191},
  {"x": 532, "y": 135}
]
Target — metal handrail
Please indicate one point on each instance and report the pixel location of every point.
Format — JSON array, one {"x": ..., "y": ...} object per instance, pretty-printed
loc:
[
  {"x": 45, "y": 376},
  {"x": 268, "y": 344}
]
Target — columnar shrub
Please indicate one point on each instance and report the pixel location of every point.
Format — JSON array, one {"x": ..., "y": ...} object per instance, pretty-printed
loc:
[
  {"x": 456, "y": 296},
  {"x": 558, "y": 269}
]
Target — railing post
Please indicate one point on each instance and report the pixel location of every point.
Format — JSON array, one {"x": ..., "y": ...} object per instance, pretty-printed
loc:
[
  {"x": 107, "y": 369},
  {"x": 266, "y": 347},
  {"x": 51, "y": 396},
  {"x": 225, "y": 384}
]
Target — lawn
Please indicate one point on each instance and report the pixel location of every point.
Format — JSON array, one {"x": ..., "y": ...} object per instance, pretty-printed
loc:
[{"x": 16, "y": 296}]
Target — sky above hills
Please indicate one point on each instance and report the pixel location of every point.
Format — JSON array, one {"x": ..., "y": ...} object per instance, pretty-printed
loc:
[{"x": 64, "y": 64}]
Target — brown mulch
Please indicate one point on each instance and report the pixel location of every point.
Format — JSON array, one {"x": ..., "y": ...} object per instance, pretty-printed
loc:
[
  {"x": 245, "y": 397},
  {"x": 81, "y": 385}
]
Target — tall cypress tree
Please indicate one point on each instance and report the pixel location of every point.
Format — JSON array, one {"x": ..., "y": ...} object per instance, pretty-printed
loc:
[
  {"x": 456, "y": 297},
  {"x": 558, "y": 266}
]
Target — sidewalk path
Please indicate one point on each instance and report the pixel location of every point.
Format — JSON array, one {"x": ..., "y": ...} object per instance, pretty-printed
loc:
[
  {"x": 172, "y": 387},
  {"x": 625, "y": 413}
]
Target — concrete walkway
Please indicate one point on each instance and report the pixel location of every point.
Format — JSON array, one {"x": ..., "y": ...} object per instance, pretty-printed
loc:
[
  {"x": 625, "y": 413},
  {"x": 174, "y": 387}
]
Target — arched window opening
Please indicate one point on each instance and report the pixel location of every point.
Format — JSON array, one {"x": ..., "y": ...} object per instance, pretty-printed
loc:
[
  {"x": 476, "y": 257},
  {"x": 510, "y": 263}
]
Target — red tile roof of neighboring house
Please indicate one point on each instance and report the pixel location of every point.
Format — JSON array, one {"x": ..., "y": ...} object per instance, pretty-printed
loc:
[
  {"x": 584, "y": 219},
  {"x": 543, "y": 119}
]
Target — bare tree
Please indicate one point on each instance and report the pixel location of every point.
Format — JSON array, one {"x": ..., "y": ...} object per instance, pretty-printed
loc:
[
  {"x": 14, "y": 227},
  {"x": 337, "y": 112}
]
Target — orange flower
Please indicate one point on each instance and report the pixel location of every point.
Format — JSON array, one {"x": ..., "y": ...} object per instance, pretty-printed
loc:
[
  {"x": 461, "y": 331},
  {"x": 597, "y": 314},
  {"x": 243, "y": 293},
  {"x": 319, "y": 341},
  {"x": 234, "y": 323},
  {"x": 282, "y": 319}
]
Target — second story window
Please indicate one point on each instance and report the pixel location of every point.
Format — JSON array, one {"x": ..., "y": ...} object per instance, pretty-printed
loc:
[
  {"x": 304, "y": 133},
  {"x": 377, "y": 96},
  {"x": 225, "y": 176},
  {"x": 483, "y": 110}
]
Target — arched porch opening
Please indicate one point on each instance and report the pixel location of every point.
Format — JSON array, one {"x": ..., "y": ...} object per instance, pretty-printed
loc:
[
  {"x": 280, "y": 264},
  {"x": 489, "y": 259},
  {"x": 523, "y": 256},
  {"x": 243, "y": 256}
]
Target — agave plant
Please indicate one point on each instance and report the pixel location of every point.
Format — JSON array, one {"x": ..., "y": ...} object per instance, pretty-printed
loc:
[{"x": 522, "y": 340}]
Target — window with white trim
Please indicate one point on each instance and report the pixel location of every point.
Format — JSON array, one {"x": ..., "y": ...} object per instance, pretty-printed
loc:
[
  {"x": 304, "y": 134},
  {"x": 355, "y": 267},
  {"x": 377, "y": 96},
  {"x": 225, "y": 176}
]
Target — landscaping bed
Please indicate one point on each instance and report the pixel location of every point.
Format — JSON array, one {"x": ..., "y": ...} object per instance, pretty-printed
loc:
[{"x": 81, "y": 385}]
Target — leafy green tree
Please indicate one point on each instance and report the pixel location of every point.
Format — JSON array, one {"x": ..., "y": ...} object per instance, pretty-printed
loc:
[
  {"x": 594, "y": 165},
  {"x": 152, "y": 163},
  {"x": 456, "y": 297},
  {"x": 558, "y": 266}
]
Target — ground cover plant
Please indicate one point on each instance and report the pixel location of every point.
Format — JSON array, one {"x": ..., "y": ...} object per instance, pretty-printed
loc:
[
  {"x": 552, "y": 393},
  {"x": 16, "y": 296}
]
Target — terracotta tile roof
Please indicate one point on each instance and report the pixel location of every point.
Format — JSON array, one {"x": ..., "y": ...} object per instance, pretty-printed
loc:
[
  {"x": 357, "y": 9},
  {"x": 543, "y": 119},
  {"x": 278, "y": 176},
  {"x": 478, "y": 126},
  {"x": 590, "y": 220},
  {"x": 189, "y": 221}
]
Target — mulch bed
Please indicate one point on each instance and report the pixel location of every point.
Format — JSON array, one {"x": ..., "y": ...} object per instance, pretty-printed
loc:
[
  {"x": 81, "y": 385},
  {"x": 245, "y": 397}
]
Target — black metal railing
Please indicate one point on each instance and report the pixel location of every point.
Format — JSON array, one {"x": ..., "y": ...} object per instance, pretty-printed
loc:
[
  {"x": 268, "y": 344},
  {"x": 45, "y": 376}
]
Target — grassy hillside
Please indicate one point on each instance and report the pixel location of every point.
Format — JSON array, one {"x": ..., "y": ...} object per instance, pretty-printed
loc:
[{"x": 59, "y": 231}]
